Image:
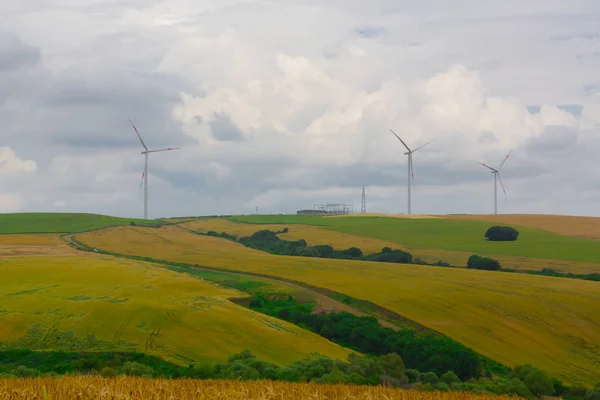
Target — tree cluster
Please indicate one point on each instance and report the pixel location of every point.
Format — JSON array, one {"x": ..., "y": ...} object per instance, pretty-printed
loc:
[
  {"x": 421, "y": 351},
  {"x": 484, "y": 263},
  {"x": 501, "y": 234}
]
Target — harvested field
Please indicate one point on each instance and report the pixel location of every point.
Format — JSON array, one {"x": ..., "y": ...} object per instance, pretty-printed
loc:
[
  {"x": 34, "y": 245},
  {"x": 512, "y": 318}
]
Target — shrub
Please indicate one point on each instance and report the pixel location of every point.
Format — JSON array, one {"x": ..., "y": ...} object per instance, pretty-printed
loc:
[
  {"x": 133, "y": 368},
  {"x": 449, "y": 378},
  {"x": 24, "y": 372},
  {"x": 592, "y": 394},
  {"x": 108, "y": 372},
  {"x": 429, "y": 377},
  {"x": 501, "y": 234},
  {"x": 442, "y": 387},
  {"x": 413, "y": 375},
  {"x": 483, "y": 263},
  {"x": 353, "y": 252}
]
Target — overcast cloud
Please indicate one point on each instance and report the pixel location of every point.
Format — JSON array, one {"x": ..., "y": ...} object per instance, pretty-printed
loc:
[{"x": 284, "y": 104}]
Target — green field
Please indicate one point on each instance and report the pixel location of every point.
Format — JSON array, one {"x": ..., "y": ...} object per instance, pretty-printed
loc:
[
  {"x": 63, "y": 222},
  {"x": 96, "y": 303},
  {"x": 448, "y": 234}
]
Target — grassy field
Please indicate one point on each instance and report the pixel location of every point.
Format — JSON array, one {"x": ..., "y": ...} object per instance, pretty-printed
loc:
[
  {"x": 107, "y": 304},
  {"x": 583, "y": 227},
  {"x": 83, "y": 388},
  {"x": 449, "y": 234},
  {"x": 316, "y": 235},
  {"x": 552, "y": 323},
  {"x": 62, "y": 222}
]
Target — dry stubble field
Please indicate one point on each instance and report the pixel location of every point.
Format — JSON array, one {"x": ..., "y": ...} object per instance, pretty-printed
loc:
[
  {"x": 128, "y": 388},
  {"x": 552, "y": 323}
]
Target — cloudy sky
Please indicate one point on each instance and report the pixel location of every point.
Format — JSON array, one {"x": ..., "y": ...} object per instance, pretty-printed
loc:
[{"x": 283, "y": 104}]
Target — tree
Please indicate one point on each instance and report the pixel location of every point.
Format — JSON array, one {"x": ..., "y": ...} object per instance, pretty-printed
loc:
[
  {"x": 592, "y": 394},
  {"x": 483, "y": 263},
  {"x": 413, "y": 375},
  {"x": 449, "y": 378},
  {"x": 501, "y": 234},
  {"x": 536, "y": 380},
  {"x": 353, "y": 252}
]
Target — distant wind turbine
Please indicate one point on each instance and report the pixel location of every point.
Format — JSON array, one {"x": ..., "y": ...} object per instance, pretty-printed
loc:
[
  {"x": 410, "y": 164},
  {"x": 496, "y": 173},
  {"x": 146, "y": 154}
]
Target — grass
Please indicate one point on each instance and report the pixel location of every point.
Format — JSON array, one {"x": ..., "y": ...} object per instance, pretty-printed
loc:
[
  {"x": 62, "y": 222},
  {"x": 98, "y": 303},
  {"x": 316, "y": 235},
  {"x": 92, "y": 387},
  {"x": 512, "y": 318},
  {"x": 583, "y": 227},
  {"x": 450, "y": 234}
]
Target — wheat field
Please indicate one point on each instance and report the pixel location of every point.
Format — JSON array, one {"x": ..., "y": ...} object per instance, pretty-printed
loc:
[
  {"x": 130, "y": 388},
  {"x": 58, "y": 302},
  {"x": 552, "y": 323},
  {"x": 316, "y": 235}
]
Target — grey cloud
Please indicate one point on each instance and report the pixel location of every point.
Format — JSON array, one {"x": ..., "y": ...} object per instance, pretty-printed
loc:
[
  {"x": 14, "y": 54},
  {"x": 224, "y": 129},
  {"x": 553, "y": 138}
]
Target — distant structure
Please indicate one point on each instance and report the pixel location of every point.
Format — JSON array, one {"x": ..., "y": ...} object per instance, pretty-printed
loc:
[
  {"x": 363, "y": 204},
  {"x": 328, "y": 209}
]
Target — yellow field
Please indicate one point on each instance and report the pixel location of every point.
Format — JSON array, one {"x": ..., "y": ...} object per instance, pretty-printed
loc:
[
  {"x": 133, "y": 306},
  {"x": 34, "y": 245},
  {"x": 312, "y": 234},
  {"x": 125, "y": 388},
  {"x": 584, "y": 227},
  {"x": 315, "y": 235},
  {"x": 552, "y": 323}
]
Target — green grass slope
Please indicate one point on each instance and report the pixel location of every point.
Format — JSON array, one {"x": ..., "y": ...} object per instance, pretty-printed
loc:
[
  {"x": 448, "y": 234},
  {"x": 63, "y": 222}
]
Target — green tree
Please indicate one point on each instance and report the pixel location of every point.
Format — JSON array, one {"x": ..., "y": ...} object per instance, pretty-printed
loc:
[
  {"x": 449, "y": 378},
  {"x": 501, "y": 233},
  {"x": 536, "y": 380}
]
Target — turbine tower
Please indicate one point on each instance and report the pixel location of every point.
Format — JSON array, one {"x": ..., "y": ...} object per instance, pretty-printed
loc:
[
  {"x": 497, "y": 178},
  {"x": 146, "y": 154},
  {"x": 411, "y": 174},
  {"x": 363, "y": 203}
]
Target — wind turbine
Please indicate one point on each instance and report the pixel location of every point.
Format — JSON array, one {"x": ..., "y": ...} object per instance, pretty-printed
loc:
[
  {"x": 410, "y": 164},
  {"x": 496, "y": 173},
  {"x": 146, "y": 154}
]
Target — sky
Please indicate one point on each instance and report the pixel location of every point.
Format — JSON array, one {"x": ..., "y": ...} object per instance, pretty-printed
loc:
[{"x": 280, "y": 105}]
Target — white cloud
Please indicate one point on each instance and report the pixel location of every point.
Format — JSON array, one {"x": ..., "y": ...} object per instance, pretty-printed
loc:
[{"x": 289, "y": 103}]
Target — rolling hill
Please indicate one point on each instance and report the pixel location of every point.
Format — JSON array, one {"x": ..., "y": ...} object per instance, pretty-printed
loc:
[
  {"x": 511, "y": 318},
  {"x": 57, "y": 298}
]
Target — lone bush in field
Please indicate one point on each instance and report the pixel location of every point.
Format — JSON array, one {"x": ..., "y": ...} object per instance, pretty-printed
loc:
[
  {"x": 484, "y": 263},
  {"x": 501, "y": 234}
]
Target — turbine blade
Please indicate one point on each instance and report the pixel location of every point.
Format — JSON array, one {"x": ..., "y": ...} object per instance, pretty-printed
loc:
[
  {"x": 420, "y": 147},
  {"x": 138, "y": 134},
  {"x": 503, "y": 161},
  {"x": 142, "y": 181},
  {"x": 400, "y": 140},
  {"x": 487, "y": 166},
  {"x": 501, "y": 184},
  {"x": 167, "y": 149}
]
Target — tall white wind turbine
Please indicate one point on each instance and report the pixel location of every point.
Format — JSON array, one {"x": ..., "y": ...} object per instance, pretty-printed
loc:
[
  {"x": 496, "y": 173},
  {"x": 146, "y": 154},
  {"x": 411, "y": 174}
]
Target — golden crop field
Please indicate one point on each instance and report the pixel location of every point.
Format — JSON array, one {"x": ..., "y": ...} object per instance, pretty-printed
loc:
[
  {"x": 315, "y": 235},
  {"x": 130, "y": 388},
  {"x": 58, "y": 302},
  {"x": 19, "y": 245},
  {"x": 312, "y": 234},
  {"x": 584, "y": 227},
  {"x": 552, "y": 323}
]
